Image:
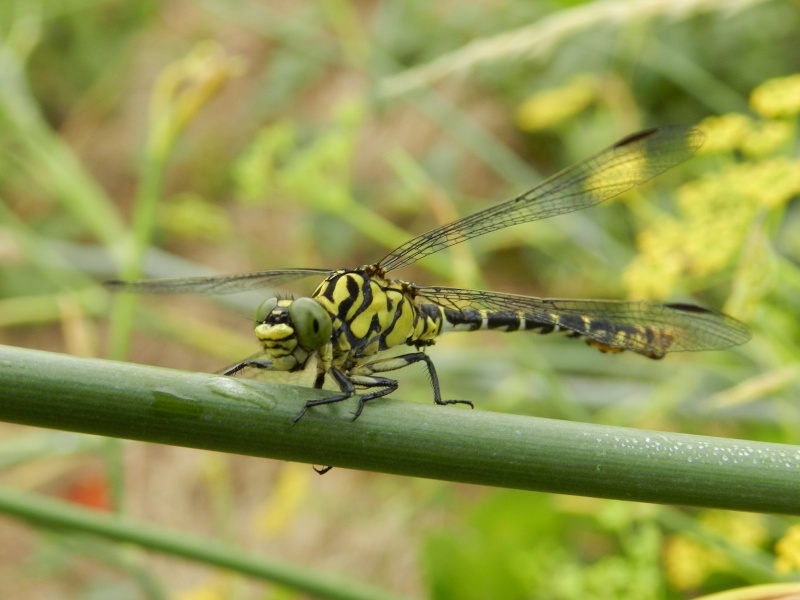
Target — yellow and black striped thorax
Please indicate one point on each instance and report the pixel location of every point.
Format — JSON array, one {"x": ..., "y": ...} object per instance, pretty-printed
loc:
[{"x": 371, "y": 313}]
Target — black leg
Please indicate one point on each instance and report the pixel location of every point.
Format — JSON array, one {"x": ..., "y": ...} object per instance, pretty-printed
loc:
[
  {"x": 320, "y": 380},
  {"x": 258, "y": 364},
  {"x": 398, "y": 362},
  {"x": 363, "y": 377},
  {"x": 345, "y": 385},
  {"x": 387, "y": 385},
  {"x": 437, "y": 394}
]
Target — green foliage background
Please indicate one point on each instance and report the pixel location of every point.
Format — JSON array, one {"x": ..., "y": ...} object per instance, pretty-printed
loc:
[{"x": 243, "y": 135}]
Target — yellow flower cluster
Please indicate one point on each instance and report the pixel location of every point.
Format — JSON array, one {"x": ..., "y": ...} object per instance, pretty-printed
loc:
[
  {"x": 549, "y": 108},
  {"x": 777, "y": 98},
  {"x": 717, "y": 212},
  {"x": 688, "y": 561},
  {"x": 739, "y": 133},
  {"x": 787, "y": 551}
]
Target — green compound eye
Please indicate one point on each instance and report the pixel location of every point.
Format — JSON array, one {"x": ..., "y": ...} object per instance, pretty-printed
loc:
[
  {"x": 312, "y": 323},
  {"x": 266, "y": 307}
]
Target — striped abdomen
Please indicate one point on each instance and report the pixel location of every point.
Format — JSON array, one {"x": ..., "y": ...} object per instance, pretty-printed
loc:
[{"x": 606, "y": 335}]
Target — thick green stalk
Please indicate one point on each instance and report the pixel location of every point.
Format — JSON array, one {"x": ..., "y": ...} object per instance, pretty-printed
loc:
[{"x": 422, "y": 440}]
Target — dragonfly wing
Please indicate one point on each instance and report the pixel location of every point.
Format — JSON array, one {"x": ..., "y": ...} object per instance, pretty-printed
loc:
[
  {"x": 611, "y": 325},
  {"x": 628, "y": 163},
  {"x": 220, "y": 284}
]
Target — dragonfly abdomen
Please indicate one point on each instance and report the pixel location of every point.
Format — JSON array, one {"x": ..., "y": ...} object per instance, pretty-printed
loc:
[
  {"x": 605, "y": 335},
  {"x": 471, "y": 319}
]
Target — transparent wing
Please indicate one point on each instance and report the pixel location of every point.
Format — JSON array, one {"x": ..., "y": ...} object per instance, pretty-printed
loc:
[
  {"x": 643, "y": 327},
  {"x": 221, "y": 284},
  {"x": 628, "y": 163}
]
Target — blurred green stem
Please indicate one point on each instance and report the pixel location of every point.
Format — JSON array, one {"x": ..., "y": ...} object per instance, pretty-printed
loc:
[
  {"x": 181, "y": 91},
  {"x": 60, "y": 515},
  {"x": 144, "y": 217}
]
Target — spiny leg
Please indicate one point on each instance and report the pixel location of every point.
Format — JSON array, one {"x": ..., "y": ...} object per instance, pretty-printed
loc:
[
  {"x": 258, "y": 364},
  {"x": 398, "y": 362},
  {"x": 367, "y": 381},
  {"x": 345, "y": 385},
  {"x": 363, "y": 377}
]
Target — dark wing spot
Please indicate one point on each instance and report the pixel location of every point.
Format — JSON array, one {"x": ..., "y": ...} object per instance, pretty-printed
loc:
[
  {"x": 635, "y": 137},
  {"x": 690, "y": 308}
]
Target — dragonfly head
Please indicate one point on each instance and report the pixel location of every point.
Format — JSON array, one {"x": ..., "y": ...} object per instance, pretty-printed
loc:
[{"x": 289, "y": 330}]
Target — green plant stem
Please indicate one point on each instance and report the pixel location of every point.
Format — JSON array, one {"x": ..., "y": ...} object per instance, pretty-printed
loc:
[
  {"x": 422, "y": 440},
  {"x": 52, "y": 513},
  {"x": 144, "y": 218}
]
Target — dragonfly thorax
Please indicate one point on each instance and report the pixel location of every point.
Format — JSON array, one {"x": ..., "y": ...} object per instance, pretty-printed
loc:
[
  {"x": 371, "y": 314},
  {"x": 290, "y": 330}
]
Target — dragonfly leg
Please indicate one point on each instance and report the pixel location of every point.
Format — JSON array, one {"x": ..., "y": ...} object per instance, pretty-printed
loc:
[
  {"x": 345, "y": 385},
  {"x": 258, "y": 364},
  {"x": 398, "y": 362},
  {"x": 387, "y": 387},
  {"x": 363, "y": 376},
  {"x": 348, "y": 387},
  {"x": 320, "y": 380}
]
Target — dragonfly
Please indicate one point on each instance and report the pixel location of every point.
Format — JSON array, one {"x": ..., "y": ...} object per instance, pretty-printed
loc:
[{"x": 355, "y": 315}]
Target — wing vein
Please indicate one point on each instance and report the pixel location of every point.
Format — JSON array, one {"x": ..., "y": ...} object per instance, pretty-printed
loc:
[{"x": 628, "y": 163}]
